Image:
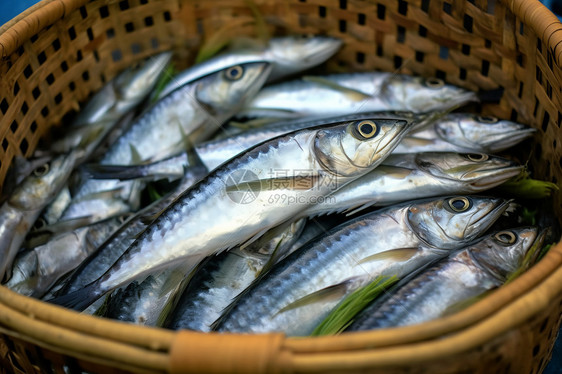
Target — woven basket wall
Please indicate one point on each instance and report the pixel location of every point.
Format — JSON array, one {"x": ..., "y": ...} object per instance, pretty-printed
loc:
[{"x": 58, "y": 53}]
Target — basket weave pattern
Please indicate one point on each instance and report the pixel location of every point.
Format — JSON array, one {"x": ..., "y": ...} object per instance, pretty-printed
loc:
[{"x": 57, "y": 54}]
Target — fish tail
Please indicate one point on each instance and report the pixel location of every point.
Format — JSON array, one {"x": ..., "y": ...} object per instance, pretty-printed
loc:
[
  {"x": 121, "y": 172},
  {"x": 80, "y": 299}
]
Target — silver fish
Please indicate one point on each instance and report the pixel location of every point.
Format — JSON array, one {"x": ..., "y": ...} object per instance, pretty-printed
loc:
[
  {"x": 358, "y": 92},
  {"x": 22, "y": 208},
  {"x": 36, "y": 270},
  {"x": 245, "y": 191},
  {"x": 300, "y": 291},
  {"x": 211, "y": 154},
  {"x": 142, "y": 302},
  {"x": 123, "y": 93},
  {"x": 403, "y": 177},
  {"x": 161, "y": 131},
  {"x": 104, "y": 110},
  {"x": 287, "y": 55},
  {"x": 464, "y": 275},
  {"x": 462, "y": 132},
  {"x": 221, "y": 278}
]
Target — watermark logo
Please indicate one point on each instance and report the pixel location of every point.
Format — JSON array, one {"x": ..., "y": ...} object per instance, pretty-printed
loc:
[
  {"x": 242, "y": 186},
  {"x": 284, "y": 186}
]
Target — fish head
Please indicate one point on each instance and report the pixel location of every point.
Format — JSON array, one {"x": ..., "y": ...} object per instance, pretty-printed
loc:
[
  {"x": 475, "y": 171},
  {"x": 228, "y": 89},
  {"x": 42, "y": 185},
  {"x": 133, "y": 84},
  {"x": 453, "y": 221},
  {"x": 419, "y": 94},
  {"x": 502, "y": 253},
  {"x": 354, "y": 148},
  {"x": 481, "y": 133},
  {"x": 296, "y": 53}
]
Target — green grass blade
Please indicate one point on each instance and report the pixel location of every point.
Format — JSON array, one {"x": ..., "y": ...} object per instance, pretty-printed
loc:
[
  {"x": 342, "y": 315},
  {"x": 523, "y": 186},
  {"x": 166, "y": 77}
]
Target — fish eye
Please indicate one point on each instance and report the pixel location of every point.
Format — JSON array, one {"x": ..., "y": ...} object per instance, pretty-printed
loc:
[
  {"x": 459, "y": 204},
  {"x": 487, "y": 119},
  {"x": 234, "y": 73},
  {"x": 477, "y": 157},
  {"x": 39, "y": 224},
  {"x": 41, "y": 170},
  {"x": 505, "y": 237},
  {"x": 365, "y": 129},
  {"x": 434, "y": 83}
]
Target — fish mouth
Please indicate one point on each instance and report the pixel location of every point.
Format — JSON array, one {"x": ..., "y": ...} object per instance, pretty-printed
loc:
[
  {"x": 462, "y": 100},
  {"x": 487, "y": 179},
  {"x": 485, "y": 221},
  {"x": 391, "y": 143},
  {"x": 502, "y": 141},
  {"x": 322, "y": 51}
]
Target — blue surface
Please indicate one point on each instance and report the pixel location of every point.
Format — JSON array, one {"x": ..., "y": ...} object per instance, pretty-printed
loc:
[{"x": 10, "y": 8}]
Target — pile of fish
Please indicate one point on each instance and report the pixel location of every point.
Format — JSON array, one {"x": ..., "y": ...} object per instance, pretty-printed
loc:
[{"x": 283, "y": 195}]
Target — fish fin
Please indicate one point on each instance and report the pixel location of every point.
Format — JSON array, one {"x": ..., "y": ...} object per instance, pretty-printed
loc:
[
  {"x": 79, "y": 299},
  {"x": 147, "y": 219},
  {"x": 351, "y": 211},
  {"x": 253, "y": 238},
  {"x": 175, "y": 278},
  {"x": 136, "y": 157},
  {"x": 352, "y": 94},
  {"x": 121, "y": 172},
  {"x": 397, "y": 254},
  {"x": 335, "y": 291}
]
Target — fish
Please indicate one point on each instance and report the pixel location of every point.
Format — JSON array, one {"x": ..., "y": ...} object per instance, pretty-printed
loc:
[
  {"x": 117, "y": 98},
  {"x": 403, "y": 177},
  {"x": 142, "y": 302},
  {"x": 465, "y": 274},
  {"x": 410, "y": 176},
  {"x": 123, "y": 93},
  {"x": 287, "y": 55},
  {"x": 299, "y": 292},
  {"x": 219, "y": 279},
  {"x": 36, "y": 270},
  {"x": 193, "y": 110},
  {"x": 338, "y": 94},
  {"x": 22, "y": 208},
  {"x": 247, "y": 191},
  {"x": 465, "y": 132}
]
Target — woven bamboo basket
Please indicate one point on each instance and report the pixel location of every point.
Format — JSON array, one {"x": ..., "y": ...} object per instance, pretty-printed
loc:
[{"x": 55, "y": 55}]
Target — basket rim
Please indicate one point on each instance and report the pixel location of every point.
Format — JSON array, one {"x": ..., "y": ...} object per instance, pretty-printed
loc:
[{"x": 532, "y": 13}]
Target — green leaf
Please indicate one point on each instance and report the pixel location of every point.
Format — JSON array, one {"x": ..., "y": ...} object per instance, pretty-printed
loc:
[
  {"x": 342, "y": 315},
  {"x": 523, "y": 186},
  {"x": 165, "y": 78}
]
